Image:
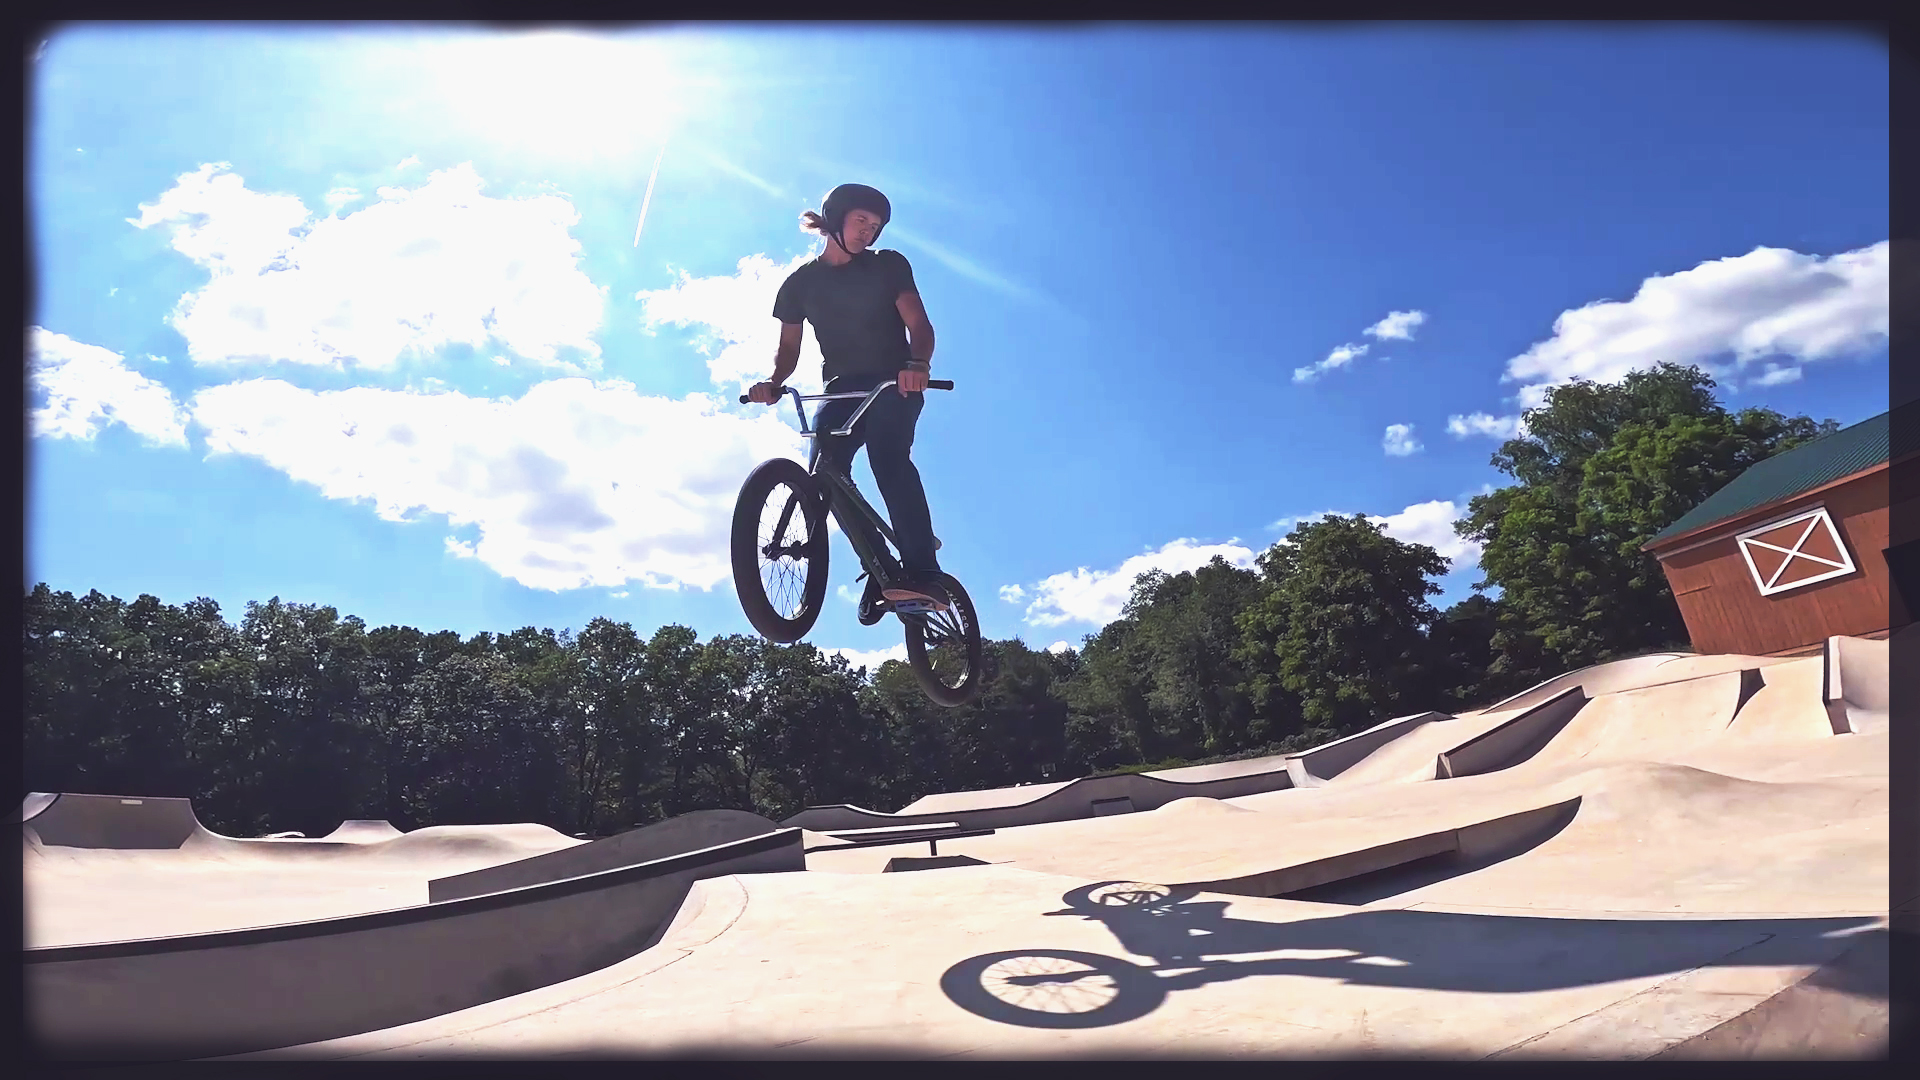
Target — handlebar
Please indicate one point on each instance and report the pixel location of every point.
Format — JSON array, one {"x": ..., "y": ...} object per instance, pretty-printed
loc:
[
  {"x": 870, "y": 396},
  {"x": 932, "y": 384}
]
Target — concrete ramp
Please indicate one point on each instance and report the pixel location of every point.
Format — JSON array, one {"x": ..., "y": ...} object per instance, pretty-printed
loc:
[
  {"x": 108, "y": 821},
  {"x": 1654, "y": 723},
  {"x": 1596, "y": 679},
  {"x": 675, "y": 836},
  {"x": 1514, "y": 740},
  {"x": 1221, "y": 770},
  {"x": 1312, "y": 768},
  {"x": 237, "y": 991},
  {"x": 1856, "y": 693},
  {"x": 1637, "y": 673},
  {"x": 361, "y": 831},
  {"x": 986, "y": 962},
  {"x": 1787, "y": 707},
  {"x": 1415, "y": 756},
  {"x": 986, "y": 799},
  {"x": 1087, "y": 797},
  {"x": 1480, "y": 840}
]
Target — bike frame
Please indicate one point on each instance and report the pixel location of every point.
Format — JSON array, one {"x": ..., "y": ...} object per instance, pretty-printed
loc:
[{"x": 840, "y": 489}]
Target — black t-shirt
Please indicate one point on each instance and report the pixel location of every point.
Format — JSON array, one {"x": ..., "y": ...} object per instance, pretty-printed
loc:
[{"x": 852, "y": 311}]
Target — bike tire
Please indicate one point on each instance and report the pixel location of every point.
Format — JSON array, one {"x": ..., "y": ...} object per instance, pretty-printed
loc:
[
  {"x": 747, "y": 543},
  {"x": 942, "y": 692},
  {"x": 991, "y": 987}
]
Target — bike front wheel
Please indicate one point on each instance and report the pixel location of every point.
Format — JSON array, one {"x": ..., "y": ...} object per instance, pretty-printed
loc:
[
  {"x": 780, "y": 550},
  {"x": 944, "y": 650}
]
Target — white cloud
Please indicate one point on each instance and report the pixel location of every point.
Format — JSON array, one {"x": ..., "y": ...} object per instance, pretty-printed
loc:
[
  {"x": 417, "y": 271},
  {"x": 87, "y": 387},
  {"x": 1288, "y": 524},
  {"x": 1097, "y": 596},
  {"x": 1431, "y": 523},
  {"x": 1776, "y": 375},
  {"x": 1339, "y": 357},
  {"x": 871, "y": 659},
  {"x": 736, "y": 313},
  {"x": 1499, "y": 427},
  {"x": 576, "y": 483},
  {"x": 1399, "y": 441},
  {"x": 1012, "y": 594},
  {"x": 1398, "y": 325},
  {"x": 1059, "y": 647},
  {"x": 1770, "y": 303},
  {"x": 341, "y": 196},
  {"x": 846, "y": 593}
]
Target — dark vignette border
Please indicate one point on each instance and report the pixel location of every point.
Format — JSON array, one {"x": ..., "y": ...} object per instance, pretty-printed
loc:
[
  {"x": 1904, "y": 527},
  {"x": 1903, "y": 39}
]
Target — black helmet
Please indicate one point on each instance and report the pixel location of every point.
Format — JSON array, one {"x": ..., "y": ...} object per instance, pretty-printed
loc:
[{"x": 847, "y": 198}]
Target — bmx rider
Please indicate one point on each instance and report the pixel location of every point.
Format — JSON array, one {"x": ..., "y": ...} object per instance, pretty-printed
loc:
[{"x": 871, "y": 326}]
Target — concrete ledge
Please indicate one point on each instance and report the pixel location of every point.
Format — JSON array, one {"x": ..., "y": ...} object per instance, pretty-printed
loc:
[
  {"x": 903, "y": 863},
  {"x": 675, "y": 836},
  {"x": 1855, "y": 687},
  {"x": 206, "y": 995},
  {"x": 1514, "y": 741}
]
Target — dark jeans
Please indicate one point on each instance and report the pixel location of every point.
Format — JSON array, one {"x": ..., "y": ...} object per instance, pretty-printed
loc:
[{"x": 886, "y": 430}]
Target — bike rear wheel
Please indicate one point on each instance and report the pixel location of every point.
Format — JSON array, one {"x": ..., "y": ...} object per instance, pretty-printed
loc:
[
  {"x": 780, "y": 550},
  {"x": 944, "y": 650}
]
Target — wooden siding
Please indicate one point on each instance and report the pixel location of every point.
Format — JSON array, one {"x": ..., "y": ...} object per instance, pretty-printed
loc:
[{"x": 1725, "y": 612}]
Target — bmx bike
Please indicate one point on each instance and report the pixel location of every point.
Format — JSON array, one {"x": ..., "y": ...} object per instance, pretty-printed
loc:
[{"x": 780, "y": 523}]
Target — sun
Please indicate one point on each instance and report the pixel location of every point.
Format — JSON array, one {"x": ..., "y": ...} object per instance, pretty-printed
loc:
[{"x": 558, "y": 95}]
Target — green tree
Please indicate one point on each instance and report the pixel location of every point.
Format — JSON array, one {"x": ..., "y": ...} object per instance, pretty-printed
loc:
[
  {"x": 1347, "y": 618},
  {"x": 1602, "y": 469}
]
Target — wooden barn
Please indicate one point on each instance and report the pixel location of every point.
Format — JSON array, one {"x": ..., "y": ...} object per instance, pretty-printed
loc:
[{"x": 1795, "y": 549}]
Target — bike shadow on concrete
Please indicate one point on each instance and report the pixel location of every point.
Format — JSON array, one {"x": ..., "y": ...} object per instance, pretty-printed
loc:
[{"x": 1191, "y": 943}]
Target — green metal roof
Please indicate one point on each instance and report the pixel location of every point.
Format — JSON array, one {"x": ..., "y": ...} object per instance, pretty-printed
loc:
[{"x": 1784, "y": 475}]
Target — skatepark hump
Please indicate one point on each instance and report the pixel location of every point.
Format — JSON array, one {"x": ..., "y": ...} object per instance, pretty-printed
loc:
[{"x": 1669, "y": 857}]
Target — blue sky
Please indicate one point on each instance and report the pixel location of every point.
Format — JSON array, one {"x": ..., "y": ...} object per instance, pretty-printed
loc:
[{"x": 370, "y": 317}]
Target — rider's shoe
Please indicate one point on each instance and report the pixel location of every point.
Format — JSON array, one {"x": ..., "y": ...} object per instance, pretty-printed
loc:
[{"x": 918, "y": 591}]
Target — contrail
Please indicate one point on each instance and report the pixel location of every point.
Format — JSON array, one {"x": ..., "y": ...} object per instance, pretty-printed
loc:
[{"x": 648, "y": 198}]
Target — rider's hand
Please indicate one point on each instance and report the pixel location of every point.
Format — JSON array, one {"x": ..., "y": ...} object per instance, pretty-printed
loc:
[
  {"x": 764, "y": 393},
  {"x": 912, "y": 381}
]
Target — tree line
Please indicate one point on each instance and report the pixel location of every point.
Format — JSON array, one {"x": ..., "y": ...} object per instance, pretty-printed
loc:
[{"x": 297, "y": 717}]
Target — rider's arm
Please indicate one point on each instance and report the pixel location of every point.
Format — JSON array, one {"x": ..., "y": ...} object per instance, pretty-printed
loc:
[
  {"x": 919, "y": 327},
  {"x": 787, "y": 356}
]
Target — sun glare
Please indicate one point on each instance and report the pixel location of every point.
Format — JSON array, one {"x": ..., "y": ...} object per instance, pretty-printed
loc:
[{"x": 559, "y": 95}]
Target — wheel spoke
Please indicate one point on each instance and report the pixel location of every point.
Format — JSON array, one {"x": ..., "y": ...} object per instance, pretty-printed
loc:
[{"x": 782, "y": 543}]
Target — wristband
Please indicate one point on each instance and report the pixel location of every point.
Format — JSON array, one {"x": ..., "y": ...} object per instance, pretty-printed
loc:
[{"x": 919, "y": 365}]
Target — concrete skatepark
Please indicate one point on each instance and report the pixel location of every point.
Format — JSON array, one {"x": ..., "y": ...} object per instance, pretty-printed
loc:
[{"x": 1666, "y": 857}]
